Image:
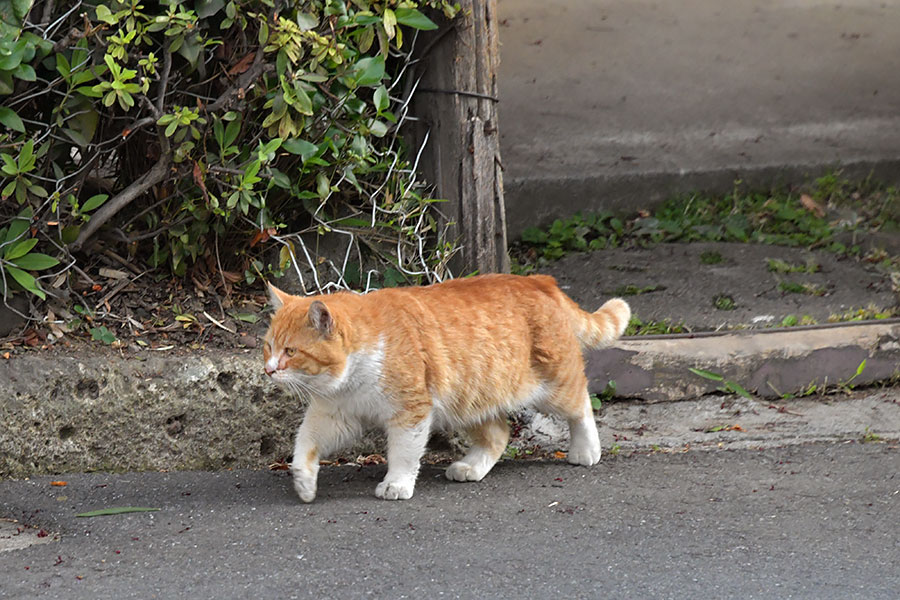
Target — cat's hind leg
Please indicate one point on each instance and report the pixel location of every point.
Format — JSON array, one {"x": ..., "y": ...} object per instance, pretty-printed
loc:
[
  {"x": 489, "y": 440},
  {"x": 584, "y": 440},
  {"x": 573, "y": 403}
]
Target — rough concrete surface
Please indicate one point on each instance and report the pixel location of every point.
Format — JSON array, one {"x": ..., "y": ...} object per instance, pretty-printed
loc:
[
  {"x": 208, "y": 410},
  {"x": 812, "y": 522},
  {"x": 609, "y": 104}
]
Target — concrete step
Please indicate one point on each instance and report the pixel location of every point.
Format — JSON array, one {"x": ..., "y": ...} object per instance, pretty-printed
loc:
[{"x": 619, "y": 105}]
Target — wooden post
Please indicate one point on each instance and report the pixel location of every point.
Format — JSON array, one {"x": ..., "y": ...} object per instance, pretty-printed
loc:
[{"x": 456, "y": 102}]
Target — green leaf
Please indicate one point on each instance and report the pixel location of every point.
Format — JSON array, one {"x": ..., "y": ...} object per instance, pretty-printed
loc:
[
  {"x": 76, "y": 136},
  {"x": 37, "y": 190},
  {"x": 251, "y": 171},
  {"x": 10, "y": 167},
  {"x": 737, "y": 388},
  {"x": 105, "y": 15},
  {"x": 369, "y": 71},
  {"x": 8, "y": 189},
  {"x": 303, "y": 103},
  {"x": 861, "y": 368},
  {"x": 706, "y": 374},
  {"x": 9, "y": 62},
  {"x": 378, "y": 128},
  {"x": 90, "y": 91},
  {"x": 20, "y": 249},
  {"x": 413, "y": 18},
  {"x": 393, "y": 278},
  {"x": 232, "y": 131},
  {"x": 219, "y": 133},
  {"x": 9, "y": 118},
  {"x": 6, "y": 83},
  {"x": 62, "y": 65},
  {"x": 301, "y": 147},
  {"x": 94, "y": 202},
  {"x": 116, "y": 511},
  {"x": 102, "y": 334},
  {"x": 281, "y": 179},
  {"x": 25, "y": 73},
  {"x": 381, "y": 99},
  {"x": 19, "y": 225},
  {"x": 190, "y": 49},
  {"x": 323, "y": 186},
  {"x": 307, "y": 21},
  {"x": 246, "y": 317},
  {"x": 207, "y": 8},
  {"x": 263, "y": 33},
  {"x": 26, "y": 281},
  {"x": 21, "y": 8},
  {"x": 36, "y": 262},
  {"x": 26, "y": 156},
  {"x": 389, "y": 21}
]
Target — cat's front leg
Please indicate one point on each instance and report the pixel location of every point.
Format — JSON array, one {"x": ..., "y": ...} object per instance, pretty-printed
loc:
[
  {"x": 406, "y": 445},
  {"x": 322, "y": 432}
]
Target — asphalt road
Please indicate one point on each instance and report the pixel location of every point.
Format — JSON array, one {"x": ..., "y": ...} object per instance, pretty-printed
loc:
[{"x": 816, "y": 521}]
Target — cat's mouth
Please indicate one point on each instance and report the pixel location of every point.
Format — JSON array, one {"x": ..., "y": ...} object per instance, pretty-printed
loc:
[{"x": 292, "y": 383}]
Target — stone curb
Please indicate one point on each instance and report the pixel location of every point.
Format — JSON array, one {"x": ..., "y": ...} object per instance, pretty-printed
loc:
[
  {"x": 769, "y": 363},
  {"x": 217, "y": 410}
]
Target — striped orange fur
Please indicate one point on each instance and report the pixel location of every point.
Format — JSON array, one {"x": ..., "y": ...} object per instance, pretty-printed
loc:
[{"x": 459, "y": 355}]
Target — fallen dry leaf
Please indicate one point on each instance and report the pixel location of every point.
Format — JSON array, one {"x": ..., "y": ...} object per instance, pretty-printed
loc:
[
  {"x": 242, "y": 65},
  {"x": 811, "y": 205},
  {"x": 372, "y": 459},
  {"x": 198, "y": 179},
  {"x": 559, "y": 455},
  {"x": 59, "y": 483}
]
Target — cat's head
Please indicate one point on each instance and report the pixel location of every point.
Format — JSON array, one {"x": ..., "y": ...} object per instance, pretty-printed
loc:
[{"x": 304, "y": 347}]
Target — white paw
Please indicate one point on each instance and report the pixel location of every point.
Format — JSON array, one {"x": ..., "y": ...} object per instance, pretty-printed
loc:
[
  {"x": 587, "y": 454},
  {"x": 462, "y": 471},
  {"x": 305, "y": 485},
  {"x": 395, "y": 490}
]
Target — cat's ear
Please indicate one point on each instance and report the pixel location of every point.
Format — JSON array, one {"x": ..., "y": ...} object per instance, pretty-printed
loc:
[
  {"x": 320, "y": 318},
  {"x": 277, "y": 298}
]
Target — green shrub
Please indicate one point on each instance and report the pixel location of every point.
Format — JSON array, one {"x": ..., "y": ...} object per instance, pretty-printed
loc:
[{"x": 197, "y": 133}]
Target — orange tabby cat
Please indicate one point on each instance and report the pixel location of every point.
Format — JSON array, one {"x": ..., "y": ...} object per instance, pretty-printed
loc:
[{"x": 457, "y": 355}]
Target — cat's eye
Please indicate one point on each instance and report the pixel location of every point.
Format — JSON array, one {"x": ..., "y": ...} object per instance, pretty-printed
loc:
[{"x": 290, "y": 351}]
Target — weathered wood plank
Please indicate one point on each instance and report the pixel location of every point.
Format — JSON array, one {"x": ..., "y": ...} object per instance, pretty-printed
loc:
[{"x": 457, "y": 105}]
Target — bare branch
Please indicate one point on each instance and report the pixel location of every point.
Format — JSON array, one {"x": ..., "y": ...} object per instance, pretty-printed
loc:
[
  {"x": 257, "y": 68},
  {"x": 123, "y": 199},
  {"x": 70, "y": 38},
  {"x": 163, "y": 82}
]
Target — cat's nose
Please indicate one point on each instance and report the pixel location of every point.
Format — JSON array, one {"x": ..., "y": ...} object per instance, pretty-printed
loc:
[{"x": 269, "y": 370}]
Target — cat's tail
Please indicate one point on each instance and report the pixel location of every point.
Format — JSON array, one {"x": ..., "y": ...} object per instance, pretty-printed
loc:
[{"x": 603, "y": 326}]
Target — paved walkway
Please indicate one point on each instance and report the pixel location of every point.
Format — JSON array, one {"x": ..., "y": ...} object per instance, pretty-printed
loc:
[
  {"x": 814, "y": 521},
  {"x": 621, "y": 103}
]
